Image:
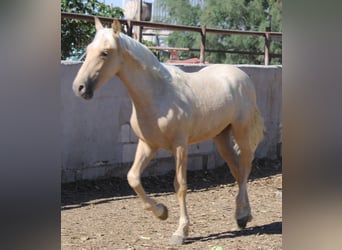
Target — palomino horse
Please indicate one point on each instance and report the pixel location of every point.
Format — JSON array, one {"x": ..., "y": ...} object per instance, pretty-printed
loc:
[{"x": 172, "y": 109}]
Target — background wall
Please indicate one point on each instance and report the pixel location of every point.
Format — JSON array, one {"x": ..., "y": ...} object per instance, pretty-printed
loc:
[{"x": 98, "y": 142}]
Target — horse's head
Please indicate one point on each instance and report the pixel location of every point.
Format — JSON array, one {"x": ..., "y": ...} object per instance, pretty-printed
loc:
[{"x": 102, "y": 62}]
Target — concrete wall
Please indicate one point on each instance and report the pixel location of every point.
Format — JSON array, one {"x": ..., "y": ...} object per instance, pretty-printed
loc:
[{"x": 98, "y": 142}]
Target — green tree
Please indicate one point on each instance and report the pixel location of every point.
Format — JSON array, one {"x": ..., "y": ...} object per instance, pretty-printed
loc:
[
  {"x": 253, "y": 15},
  {"x": 76, "y": 34},
  {"x": 182, "y": 12},
  {"x": 227, "y": 14},
  {"x": 276, "y": 13}
]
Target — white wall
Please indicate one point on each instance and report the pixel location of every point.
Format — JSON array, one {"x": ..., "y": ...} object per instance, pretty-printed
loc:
[{"x": 98, "y": 142}]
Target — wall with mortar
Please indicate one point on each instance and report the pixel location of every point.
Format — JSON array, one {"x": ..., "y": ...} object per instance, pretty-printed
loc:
[{"x": 97, "y": 140}]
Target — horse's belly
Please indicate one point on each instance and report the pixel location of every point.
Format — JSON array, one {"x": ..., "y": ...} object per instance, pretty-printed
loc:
[{"x": 209, "y": 126}]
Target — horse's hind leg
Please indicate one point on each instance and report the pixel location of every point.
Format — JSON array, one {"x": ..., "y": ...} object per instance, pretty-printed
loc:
[
  {"x": 143, "y": 156},
  {"x": 224, "y": 144},
  {"x": 247, "y": 137},
  {"x": 240, "y": 167}
]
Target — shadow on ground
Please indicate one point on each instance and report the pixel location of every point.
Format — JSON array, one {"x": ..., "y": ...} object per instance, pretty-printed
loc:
[
  {"x": 272, "y": 228},
  {"x": 84, "y": 193}
]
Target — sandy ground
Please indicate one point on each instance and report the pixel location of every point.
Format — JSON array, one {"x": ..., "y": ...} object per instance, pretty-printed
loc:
[{"x": 107, "y": 214}]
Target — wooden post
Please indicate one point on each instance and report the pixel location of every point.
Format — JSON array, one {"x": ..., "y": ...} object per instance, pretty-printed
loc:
[{"x": 202, "y": 50}]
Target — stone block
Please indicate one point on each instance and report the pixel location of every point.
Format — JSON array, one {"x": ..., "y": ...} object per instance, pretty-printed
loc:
[
  {"x": 195, "y": 163},
  {"x": 128, "y": 152},
  {"x": 201, "y": 148},
  {"x": 132, "y": 136},
  {"x": 162, "y": 153},
  {"x": 125, "y": 133},
  {"x": 211, "y": 163}
]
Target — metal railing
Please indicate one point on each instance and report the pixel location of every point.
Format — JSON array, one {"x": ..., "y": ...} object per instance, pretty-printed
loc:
[{"x": 202, "y": 30}]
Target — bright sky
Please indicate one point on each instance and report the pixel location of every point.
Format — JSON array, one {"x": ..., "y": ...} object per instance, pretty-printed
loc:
[{"x": 120, "y": 3}]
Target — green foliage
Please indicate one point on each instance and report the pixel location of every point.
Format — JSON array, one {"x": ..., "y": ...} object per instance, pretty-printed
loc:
[
  {"x": 182, "y": 12},
  {"x": 75, "y": 34},
  {"x": 226, "y": 14},
  {"x": 276, "y": 13}
]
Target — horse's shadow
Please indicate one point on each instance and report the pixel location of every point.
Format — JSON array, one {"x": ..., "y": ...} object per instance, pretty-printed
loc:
[
  {"x": 83, "y": 193},
  {"x": 272, "y": 228}
]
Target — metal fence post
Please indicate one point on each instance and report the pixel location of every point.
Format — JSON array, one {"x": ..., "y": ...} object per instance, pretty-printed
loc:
[
  {"x": 267, "y": 47},
  {"x": 202, "y": 50},
  {"x": 139, "y": 30},
  {"x": 129, "y": 28}
]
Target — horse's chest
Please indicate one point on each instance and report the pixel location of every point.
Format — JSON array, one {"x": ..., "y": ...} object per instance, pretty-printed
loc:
[
  {"x": 147, "y": 130},
  {"x": 158, "y": 131}
]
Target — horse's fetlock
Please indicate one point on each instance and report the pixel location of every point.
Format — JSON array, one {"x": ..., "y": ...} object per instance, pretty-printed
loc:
[
  {"x": 184, "y": 224},
  {"x": 148, "y": 207}
]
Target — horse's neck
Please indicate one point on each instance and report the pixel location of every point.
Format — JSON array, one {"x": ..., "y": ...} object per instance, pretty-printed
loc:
[
  {"x": 140, "y": 82},
  {"x": 143, "y": 75}
]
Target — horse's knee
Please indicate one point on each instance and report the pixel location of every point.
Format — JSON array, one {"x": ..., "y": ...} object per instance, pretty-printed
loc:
[
  {"x": 182, "y": 189},
  {"x": 175, "y": 185},
  {"x": 180, "y": 185},
  {"x": 133, "y": 179}
]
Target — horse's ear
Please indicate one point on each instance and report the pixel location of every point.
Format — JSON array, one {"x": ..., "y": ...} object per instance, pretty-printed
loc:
[
  {"x": 98, "y": 24},
  {"x": 116, "y": 26}
]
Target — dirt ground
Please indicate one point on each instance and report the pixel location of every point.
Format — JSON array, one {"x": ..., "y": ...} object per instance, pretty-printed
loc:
[{"x": 107, "y": 214}]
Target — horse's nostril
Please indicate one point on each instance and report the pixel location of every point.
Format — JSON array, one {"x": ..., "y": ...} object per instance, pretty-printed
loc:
[{"x": 80, "y": 88}]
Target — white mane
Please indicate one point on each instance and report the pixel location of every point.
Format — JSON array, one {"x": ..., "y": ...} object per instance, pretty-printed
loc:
[{"x": 144, "y": 56}]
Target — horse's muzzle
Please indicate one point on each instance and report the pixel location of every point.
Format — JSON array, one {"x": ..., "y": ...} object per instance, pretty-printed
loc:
[
  {"x": 82, "y": 91},
  {"x": 87, "y": 96}
]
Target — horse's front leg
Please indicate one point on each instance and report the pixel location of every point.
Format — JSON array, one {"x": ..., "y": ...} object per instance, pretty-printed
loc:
[
  {"x": 180, "y": 185},
  {"x": 143, "y": 156}
]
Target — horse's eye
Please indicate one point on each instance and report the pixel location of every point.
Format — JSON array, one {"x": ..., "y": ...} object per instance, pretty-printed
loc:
[{"x": 104, "y": 53}]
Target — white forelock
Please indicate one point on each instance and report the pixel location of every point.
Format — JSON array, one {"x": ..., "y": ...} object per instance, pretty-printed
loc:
[{"x": 105, "y": 33}]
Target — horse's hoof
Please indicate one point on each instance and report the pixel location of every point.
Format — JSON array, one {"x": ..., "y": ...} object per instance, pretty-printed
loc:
[
  {"x": 177, "y": 240},
  {"x": 164, "y": 215},
  {"x": 242, "y": 222}
]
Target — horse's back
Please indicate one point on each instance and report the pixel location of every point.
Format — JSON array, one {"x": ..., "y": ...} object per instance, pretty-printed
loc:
[
  {"x": 229, "y": 74},
  {"x": 227, "y": 83}
]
